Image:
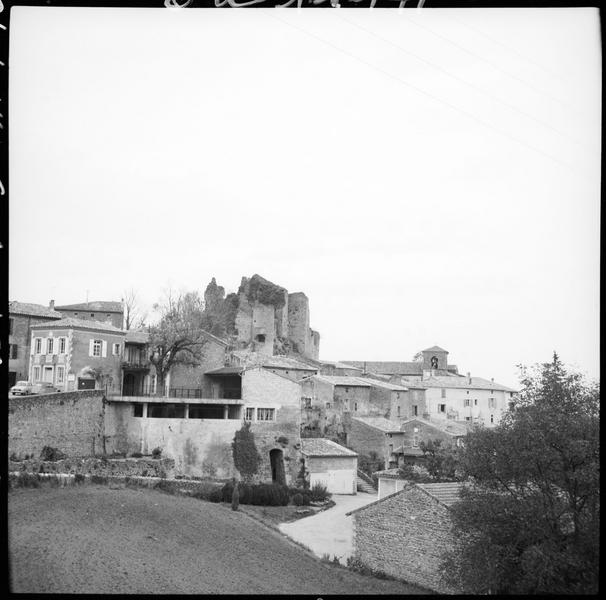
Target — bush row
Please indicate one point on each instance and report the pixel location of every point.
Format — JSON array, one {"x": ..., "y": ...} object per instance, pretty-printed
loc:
[{"x": 269, "y": 494}]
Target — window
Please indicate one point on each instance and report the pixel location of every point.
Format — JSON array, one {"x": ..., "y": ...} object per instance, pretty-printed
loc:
[
  {"x": 398, "y": 410},
  {"x": 468, "y": 418},
  {"x": 491, "y": 403},
  {"x": 442, "y": 408},
  {"x": 266, "y": 414},
  {"x": 467, "y": 392},
  {"x": 415, "y": 441},
  {"x": 492, "y": 418},
  {"x": 10, "y": 327},
  {"x": 347, "y": 390},
  {"x": 97, "y": 345},
  {"x": 50, "y": 342},
  {"x": 137, "y": 410},
  {"x": 62, "y": 344},
  {"x": 443, "y": 393},
  {"x": 356, "y": 406},
  {"x": 13, "y": 350},
  {"x": 415, "y": 410},
  {"x": 250, "y": 414},
  {"x": 75, "y": 314},
  {"x": 306, "y": 402},
  {"x": 475, "y": 402},
  {"x": 108, "y": 316},
  {"x": 38, "y": 346},
  {"x": 36, "y": 373},
  {"x": 166, "y": 411},
  {"x": 92, "y": 314},
  {"x": 466, "y": 401},
  {"x": 60, "y": 374},
  {"x": 328, "y": 405},
  {"x": 116, "y": 350},
  {"x": 391, "y": 448}
]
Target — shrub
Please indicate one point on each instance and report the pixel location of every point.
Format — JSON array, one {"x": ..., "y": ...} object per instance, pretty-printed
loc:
[
  {"x": 261, "y": 494},
  {"x": 136, "y": 455},
  {"x": 157, "y": 452},
  {"x": 319, "y": 493},
  {"x": 27, "y": 480},
  {"x": 79, "y": 478},
  {"x": 235, "y": 498},
  {"x": 51, "y": 454},
  {"x": 215, "y": 495},
  {"x": 297, "y": 499},
  {"x": 245, "y": 493},
  {"x": 98, "y": 479}
]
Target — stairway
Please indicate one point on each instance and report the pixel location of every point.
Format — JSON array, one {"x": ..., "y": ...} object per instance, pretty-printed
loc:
[{"x": 363, "y": 486}]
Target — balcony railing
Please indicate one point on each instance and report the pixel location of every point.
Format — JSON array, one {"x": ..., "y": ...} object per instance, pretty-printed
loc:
[
  {"x": 135, "y": 364},
  {"x": 147, "y": 391}
]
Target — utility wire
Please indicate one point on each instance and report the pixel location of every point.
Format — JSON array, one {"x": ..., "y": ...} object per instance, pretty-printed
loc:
[
  {"x": 428, "y": 94},
  {"x": 471, "y": 85},
  {"x": 512, "y": 75}
]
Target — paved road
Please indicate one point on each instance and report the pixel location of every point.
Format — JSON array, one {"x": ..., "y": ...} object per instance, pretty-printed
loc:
[{"x": 330, "y": 531}]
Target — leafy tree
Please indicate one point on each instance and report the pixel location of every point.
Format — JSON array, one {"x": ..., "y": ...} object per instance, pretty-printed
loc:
[
  {"x": 178, "y": 338},
  {"x": 530, "y": 524},
  {"x": 439, "y": 461},
  {"x": 244, "y": 451}
]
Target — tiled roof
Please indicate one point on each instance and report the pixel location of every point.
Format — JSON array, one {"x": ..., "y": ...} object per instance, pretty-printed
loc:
[
  {"x": 380, "y": 423},
  {"x": 388, "y": 474},
  {"x": 32, "y": 310},
  {"x": 383, "y": 384},
  {"x": 324, "y": 447},
  {"x": 136, "y": 337},
  {"x": 347, "y": 380},
  {"x": 225, "y": 371},
  {"x": 435, "y": 349},
  {"x": 98, "y": 306},
  {"x": 460, "y": 382},
  {"x": 339, "y": 365},
  {"x": 393, "y": 368},
  {"x": 446, "y": 493},
  {"x": 408, "y": 451},
  {"x": 277, "y": 362},
  {"x": 448, "y": 426},
  {"x": 71, "y": 323}
]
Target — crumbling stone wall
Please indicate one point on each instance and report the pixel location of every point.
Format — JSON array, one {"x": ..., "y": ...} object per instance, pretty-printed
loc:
[
  {"x": 136, "y": 467},
  {"x": 72, "y": 422},
  {"x": 405, "y": 536}
]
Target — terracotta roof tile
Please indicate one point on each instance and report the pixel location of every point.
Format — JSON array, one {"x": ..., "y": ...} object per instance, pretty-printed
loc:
[
  {"x": 71, "y": 323},
  {"x": 33, "y": 310},
  {"x": 324, "y": 447}
]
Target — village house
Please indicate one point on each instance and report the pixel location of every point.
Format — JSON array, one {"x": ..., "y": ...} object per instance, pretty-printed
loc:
[
  {"x": 447, "y": 394},
  {"x": 21, "y": 317},
  {"x": 374, "y": 435},
  {"x": 100, "y": 310},
  {"x": 330, "y": 464},
  {"x": 289, "y": 366},
  {"x": 197, "y": 431},
  {"x": 406, "y": 533},
  {"x": 75, "y": 354}
]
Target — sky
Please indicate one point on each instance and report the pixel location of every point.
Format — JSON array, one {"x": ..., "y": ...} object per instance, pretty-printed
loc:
[{"x": 425, "y": 176}]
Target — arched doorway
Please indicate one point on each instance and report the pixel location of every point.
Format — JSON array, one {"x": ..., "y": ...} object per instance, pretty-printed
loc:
[{"x": 276, "y": 459}]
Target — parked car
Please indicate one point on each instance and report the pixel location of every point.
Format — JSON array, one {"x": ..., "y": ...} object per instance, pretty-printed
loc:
[
  {"x": 44, "y": 388},
  {"x": 21, "y": 388}
]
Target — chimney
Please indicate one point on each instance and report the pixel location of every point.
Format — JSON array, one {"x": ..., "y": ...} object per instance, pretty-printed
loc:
[
  {"x": 468, "y": 377},
  {"x": 51, "y": 305},
  {"x": 492, "y": 379}
]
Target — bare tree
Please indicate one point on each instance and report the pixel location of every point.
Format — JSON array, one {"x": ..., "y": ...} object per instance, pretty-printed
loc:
[
  {"x": 177, "y": 338},
  {"x": 134, "y": 317}
]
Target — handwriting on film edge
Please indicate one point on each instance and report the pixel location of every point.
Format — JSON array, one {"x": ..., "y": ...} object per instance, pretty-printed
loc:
[{"x": 333, "y": 3}]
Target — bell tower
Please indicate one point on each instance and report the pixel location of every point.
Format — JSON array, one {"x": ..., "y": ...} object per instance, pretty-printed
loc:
[{"x": 435, "y": 359}]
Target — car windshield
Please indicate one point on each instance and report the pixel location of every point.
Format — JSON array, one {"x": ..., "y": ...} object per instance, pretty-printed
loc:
[{"x": 21, "y": 383}]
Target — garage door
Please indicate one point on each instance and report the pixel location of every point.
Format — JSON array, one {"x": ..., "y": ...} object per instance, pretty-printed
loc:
[{"x": 336, "y": 482}]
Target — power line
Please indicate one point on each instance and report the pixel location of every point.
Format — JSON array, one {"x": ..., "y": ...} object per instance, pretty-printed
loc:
[
  {"x": 513, "y": 76},
  {"x": 471, "y": 85},
  {"x": 421, "y": 91}
]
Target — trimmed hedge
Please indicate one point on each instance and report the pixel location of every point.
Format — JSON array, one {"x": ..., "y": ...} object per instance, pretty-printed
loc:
[{"x": 261, "y": 494}]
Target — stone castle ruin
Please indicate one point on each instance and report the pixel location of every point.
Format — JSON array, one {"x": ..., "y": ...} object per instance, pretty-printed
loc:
[{"x": 261, "y": 317}]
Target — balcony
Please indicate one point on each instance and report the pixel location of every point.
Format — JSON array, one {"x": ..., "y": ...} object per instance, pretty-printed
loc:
[{"x": 135, "y": 365}]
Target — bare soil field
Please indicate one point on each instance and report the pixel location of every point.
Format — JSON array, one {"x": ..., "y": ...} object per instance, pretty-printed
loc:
[{"x": 93, "y": 539}]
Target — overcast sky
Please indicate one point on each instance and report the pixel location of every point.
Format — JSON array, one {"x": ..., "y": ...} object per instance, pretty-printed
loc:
[{"x": 424, "y": 176}]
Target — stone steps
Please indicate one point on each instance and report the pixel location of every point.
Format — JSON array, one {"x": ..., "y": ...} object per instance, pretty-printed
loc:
[{"x": 364, "y": 486}]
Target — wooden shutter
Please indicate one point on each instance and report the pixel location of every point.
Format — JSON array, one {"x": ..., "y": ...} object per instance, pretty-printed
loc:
[
  {"x": 104, "y": 349},
  {"x": 90, "y": 347}
]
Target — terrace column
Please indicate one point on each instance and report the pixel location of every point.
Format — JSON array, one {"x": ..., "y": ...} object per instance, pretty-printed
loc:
[
  {"x": 225, "y": 411},
  {"x": 186, "y": 412},
  {"x": 145, "y": 410}
]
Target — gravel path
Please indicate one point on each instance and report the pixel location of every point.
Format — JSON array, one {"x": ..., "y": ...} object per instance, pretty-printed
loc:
[{"x": 94, "y": 539}]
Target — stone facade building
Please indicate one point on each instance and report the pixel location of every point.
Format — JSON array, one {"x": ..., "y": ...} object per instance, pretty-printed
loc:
[
  {"x": 73, "y": 354},
  {"x": 21, "y": 317},
  {"x": 330, "y": 464},
  {"x": 405, "y": 534},
  {"x": 102, "y": 311}
]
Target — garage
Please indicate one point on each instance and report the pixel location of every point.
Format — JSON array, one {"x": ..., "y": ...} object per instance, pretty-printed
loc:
[{"x": 331, "y": 464}]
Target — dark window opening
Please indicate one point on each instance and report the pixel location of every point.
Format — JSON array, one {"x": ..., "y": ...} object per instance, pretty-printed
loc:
[
  {"x": 137, "y": 410},
  {"x": 13, "y": 351},
  {"x": 206, "y": 411},
  {"x": 10, "y": 327},
  {"x": 415, "y": 410},
  {"x": 165, "y": 411},
  {"x": 261, "y": 337},
  {"x": 441, "y": 408}
]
